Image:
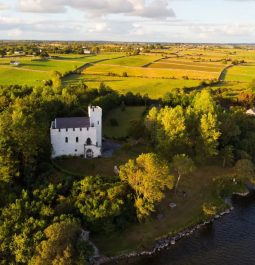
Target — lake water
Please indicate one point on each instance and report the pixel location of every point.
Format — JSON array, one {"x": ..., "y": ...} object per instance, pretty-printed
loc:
[{"x": 230, "y": 240}]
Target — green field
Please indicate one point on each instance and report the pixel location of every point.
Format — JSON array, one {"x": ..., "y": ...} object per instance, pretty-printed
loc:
[
  {"x": 154, "y": 87},
  {"x": 12, "y": 76},
  {"x": 123, "y": 118},
  {"x": 138, "y": 60},
  {"x": 189, "y": 67},
  {"x": 241, "y": 73},
  {"x": 103, "y": 69},
  {"x": 32, "y": 70}
]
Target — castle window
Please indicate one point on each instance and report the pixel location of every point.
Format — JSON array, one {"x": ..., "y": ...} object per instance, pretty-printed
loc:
[
  {"x": 77, "y": 139},
  {"x": 80, "y": 129},
  {"x": 98, "y": 122},
  {"x": 88, "y": 142},
  {"x": 87, "y": 128},
  {"x": 67, "y": 129},
  {"x": 75, "y": 150},
  {"x": 96, "y": 143},
  {"x": 59, "y": 130},
  {"x": 74, "y": 129},
  {"x": 66, "y": 139}
]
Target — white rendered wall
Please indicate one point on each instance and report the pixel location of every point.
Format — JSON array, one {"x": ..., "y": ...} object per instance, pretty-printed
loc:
[
  {"x": 60, "y": 147},
  {"x": 95, "y": 114}
]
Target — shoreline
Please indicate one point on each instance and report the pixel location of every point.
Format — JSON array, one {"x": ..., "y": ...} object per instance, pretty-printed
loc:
[{"x": 168, "y": 241}]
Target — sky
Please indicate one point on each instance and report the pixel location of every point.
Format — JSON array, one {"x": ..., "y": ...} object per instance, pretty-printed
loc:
[{"x": 206, "y": 21}]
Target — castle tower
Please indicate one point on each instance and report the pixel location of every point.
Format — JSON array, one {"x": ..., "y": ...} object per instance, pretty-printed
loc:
[{"x": 95, "y": 115}]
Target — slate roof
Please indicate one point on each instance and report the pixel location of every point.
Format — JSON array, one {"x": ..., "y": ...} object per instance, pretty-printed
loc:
[{"x": 74, "y": 122}]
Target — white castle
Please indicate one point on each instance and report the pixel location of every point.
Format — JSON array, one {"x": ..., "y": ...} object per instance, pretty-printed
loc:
[{"x": 78, "y": 136}]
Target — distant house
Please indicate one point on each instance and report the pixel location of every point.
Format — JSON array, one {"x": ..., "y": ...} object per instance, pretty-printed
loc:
[
  {"x": 15, "y": 63},
  {"x": 250, "y": 111},
  {"x": 87, "y": 51},
  {"x": 78, "y": 136},
  {"x": 19, "y": 53}
]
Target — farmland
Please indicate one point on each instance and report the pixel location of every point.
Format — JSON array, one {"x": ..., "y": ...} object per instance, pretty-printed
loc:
[
  {"x": 241, "y": 73},
  {"x": 154, "y": 87},
  {"x": 153, "y": 73}
]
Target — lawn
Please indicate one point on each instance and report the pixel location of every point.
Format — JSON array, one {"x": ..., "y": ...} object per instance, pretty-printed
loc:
[
  {"x": 123, "y": 118},
  {"x": 89, "y": 167},
  {"x": 166, "y": 221},
  {"x": 154, "y": 87}
]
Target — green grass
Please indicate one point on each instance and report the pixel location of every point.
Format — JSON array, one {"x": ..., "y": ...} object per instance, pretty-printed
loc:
[
  {"x": 123, "y": 118},
  {"x": 138, "y": 60},
  {"x": 89, "y": 167},
  {"x": 21, "y": 77},
  {"x": 154, "y": 87},
  {"x": 241, "y": 73},
  {"x": 187, "y": 212},
  {"x": 32, "y": 70}
]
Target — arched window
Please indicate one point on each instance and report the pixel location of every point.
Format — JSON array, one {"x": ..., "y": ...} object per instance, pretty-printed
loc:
[
  {"x": 66, "y": 140},
  {"x": 77, "y": 139},
  {"x": 88, "y": 142}
]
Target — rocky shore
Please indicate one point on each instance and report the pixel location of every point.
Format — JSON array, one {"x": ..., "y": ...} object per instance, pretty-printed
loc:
[{"x": 162, "y": 243}]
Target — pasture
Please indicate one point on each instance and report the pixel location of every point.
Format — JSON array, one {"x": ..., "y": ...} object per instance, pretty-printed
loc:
[
  {"x": 153, "y": 87},
  {"x": 136, "y": 61},
  {"x": 147, "y": 72},
  {"x": 241, "y": 73}
]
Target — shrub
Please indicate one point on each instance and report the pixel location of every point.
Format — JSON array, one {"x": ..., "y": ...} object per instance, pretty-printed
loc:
[{"x": 114, "y": 122}]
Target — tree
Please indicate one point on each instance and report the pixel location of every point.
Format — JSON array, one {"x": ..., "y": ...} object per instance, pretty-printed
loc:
[
  {"x": 44, "y": 55},
  {"x": 210, "y": 134},
  {"x": 60, "y": 246},
  {"x": 98, "y": 200},
  {"x": 183, "y": 165},
  {"x": 244, "y": 168},
  {"x": 203, "y": 103},
  {"x": 227, "y": 155},
  {"x": 56, "y": 81},
  {"x": 148, "y": 176}
]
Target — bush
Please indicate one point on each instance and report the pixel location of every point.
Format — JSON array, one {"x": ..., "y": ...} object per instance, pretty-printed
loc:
[{"x": 114, "y": 122}]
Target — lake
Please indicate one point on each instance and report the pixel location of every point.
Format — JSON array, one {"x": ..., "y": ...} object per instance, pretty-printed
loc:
[{"x": 229, "y": 240}]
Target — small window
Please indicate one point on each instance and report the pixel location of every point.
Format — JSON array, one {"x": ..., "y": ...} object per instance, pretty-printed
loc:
[
  {"x": 77, "y": 139},
  {"x": 87, "y": 128},
  {"x": 80, "y": 129},
  {"x": 75, "y": 150},
  {"x": 74, "y": 129},
  {"x": 98, "y": 122},
  {"x": 67, "y": 129},
  {"x": 96, "y": 143},
  {"x": 66, "y": 139},
  {"x": 59, "y": 130},
  {"x": 89, "y": 142}
]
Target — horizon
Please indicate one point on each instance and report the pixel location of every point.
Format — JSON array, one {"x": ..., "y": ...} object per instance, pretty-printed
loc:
[{"x": 146, "y": 21}]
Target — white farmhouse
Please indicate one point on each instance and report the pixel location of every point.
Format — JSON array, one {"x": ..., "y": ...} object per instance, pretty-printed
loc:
[{"x": 78, "y": 136}]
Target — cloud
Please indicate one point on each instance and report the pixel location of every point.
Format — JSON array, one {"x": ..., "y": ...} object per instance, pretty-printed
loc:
[
  {"x": 3, "y": 6},
  {"x": 99, "y": 27},
  {"x": 42, "y": 6},
  {"x": 140, "y": 8},
  {"x": 156, "y": 9}
]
